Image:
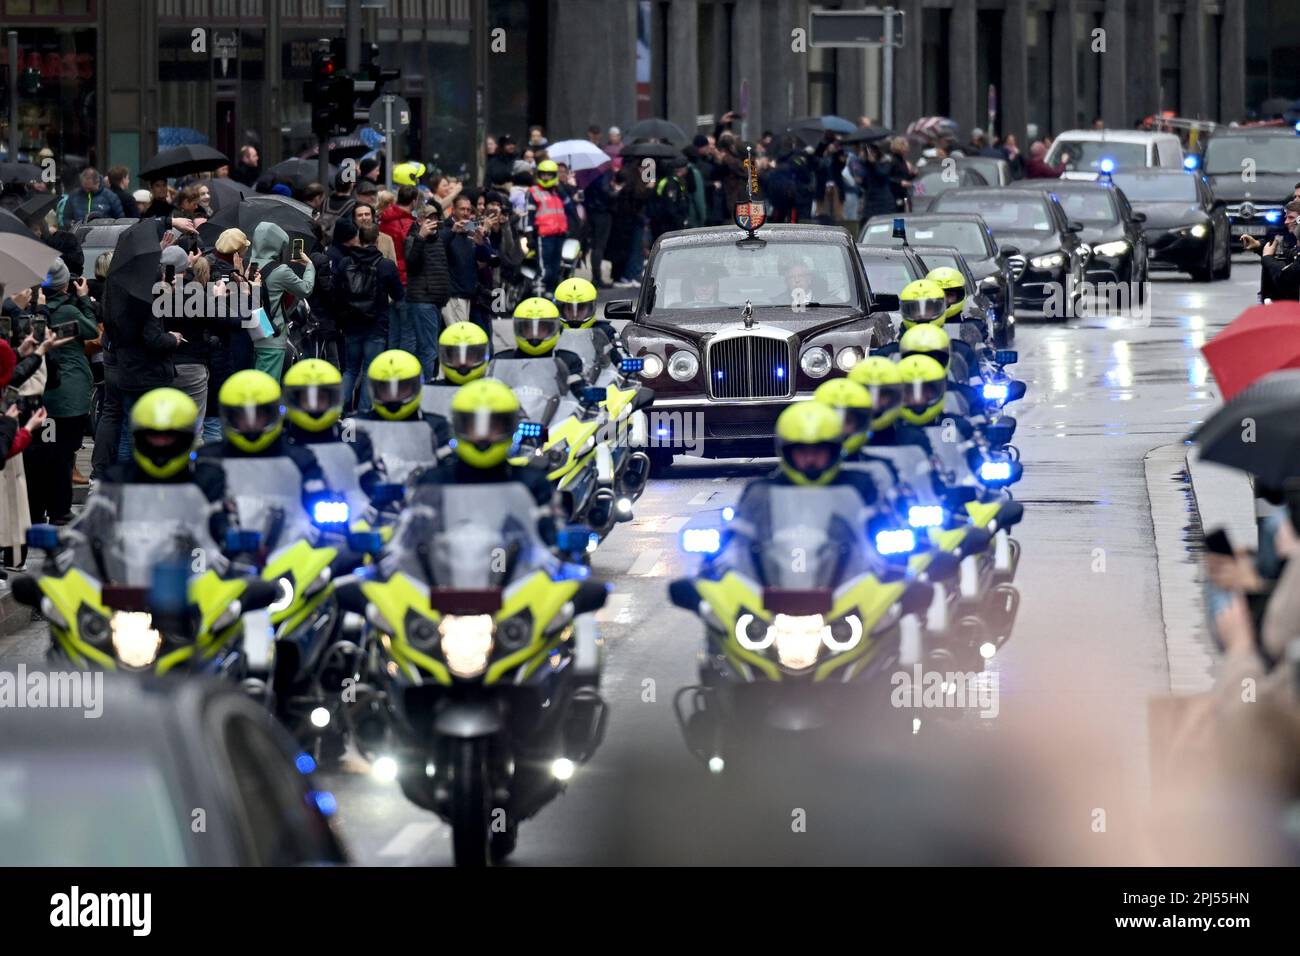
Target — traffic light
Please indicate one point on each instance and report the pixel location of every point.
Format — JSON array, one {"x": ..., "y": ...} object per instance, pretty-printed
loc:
[{"x": 330, "y": 94}]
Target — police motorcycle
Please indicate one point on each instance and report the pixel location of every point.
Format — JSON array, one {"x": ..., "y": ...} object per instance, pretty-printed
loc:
[
  {"x": 484, "y": 662},
  {"x": 808, "y": 608},
  {"x": 137, "y": 584}
]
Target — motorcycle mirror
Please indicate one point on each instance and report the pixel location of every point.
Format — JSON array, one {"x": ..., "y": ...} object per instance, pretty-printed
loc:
[
  {"x": 1000, "y": 432},
  {"x": 619, "y": 309},
  {"x": 989, "y": 284},
  {"x": 916, "y": 597},
  {"x": 242, "y": 540},
  {"x": 43, "y": 536},
  {"x": 1006, "y": 356},
  {"x": 389, "y": 493},
  {"x": 1015, "y": 390},
  {"x": 259, "y": 594},
  {"x": 683, "y": 594},
  {"x": 589, "y": 597},
  {"x": 943, "y": 566},
  {"x": 975, "y": 542},
  {"x": 365, "y": 542},
  {"x": 884, "y": 302},
  {"x": 351, "y": 597}
]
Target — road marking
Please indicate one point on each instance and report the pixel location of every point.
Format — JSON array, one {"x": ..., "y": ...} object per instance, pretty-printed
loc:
[
  {"x": 408, "y": 838},
  {"x": 645, "y": 562},
  {"x": 702, "y": 498},
  {"x": 617, "y": 609},
  {"x": 674, "y": 524}
]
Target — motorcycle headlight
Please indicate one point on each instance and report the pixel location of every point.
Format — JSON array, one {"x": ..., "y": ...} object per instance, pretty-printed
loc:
[
  {"x": 798, "y": 639},
  {"x": 815, "y": 362},
  {"x": 514, "y": 632},
  {"x": 92, "y": 625},
  {"x": 420, "y": 631},
  {"x": 652, "y": 367},
  {"x": 683, "y": 365},
  {"x": 925, "y": 516},
  {"x": 844, "y": 634},
  {"x": 753, "y": 634},
  {"x": 1050, "y": 261},
  {"x": 1116, "y": 248},
  {"x": 283, "y": 602},
  {"x": 701, "y": 540},
  {"x": 466, "y": 642},
  {"x": 135, "y": 641},
  {"x": 847, "y": 358}
]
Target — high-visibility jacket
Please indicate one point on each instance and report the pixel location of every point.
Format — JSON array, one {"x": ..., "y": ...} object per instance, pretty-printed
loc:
[{"x": 549, "y": 216}]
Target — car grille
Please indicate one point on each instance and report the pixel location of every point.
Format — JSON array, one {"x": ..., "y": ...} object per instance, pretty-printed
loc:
[
  {"x": 1234, "y": 210},
  {"x": 1017, "y": 264},
  {"x": 750, "y": 366}
]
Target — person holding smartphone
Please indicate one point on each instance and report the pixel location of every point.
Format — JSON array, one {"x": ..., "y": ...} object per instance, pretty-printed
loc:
[
  {"x": 283, "y": 287},
  {"x": 51, "y": 456}
]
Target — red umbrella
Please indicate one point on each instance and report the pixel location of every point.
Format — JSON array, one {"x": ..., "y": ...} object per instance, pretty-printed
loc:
[{"x": 1262, "y": 339}]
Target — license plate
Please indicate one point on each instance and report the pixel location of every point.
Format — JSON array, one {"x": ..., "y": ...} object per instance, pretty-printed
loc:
[
  {"x": 1250, "y": 230},
  {"x": 257, "y": 639}
]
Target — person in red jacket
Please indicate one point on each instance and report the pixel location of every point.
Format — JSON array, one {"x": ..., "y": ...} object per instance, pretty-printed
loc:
[{"x": 396, "y": 221}]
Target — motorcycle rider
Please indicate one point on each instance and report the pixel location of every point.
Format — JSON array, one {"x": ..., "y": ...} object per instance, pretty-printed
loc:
[
  {"x": 810, "y": 443},
  {"x": 952, "y": 354},
  {"x": 403, "y": 437},
  {"x": 921, "y": 301},
  {"x": 537, "y": 331},
  {"x": 313, "y": 397},
  {"x": 884, "y": 382},
  {"x": 463, "y": 349},
  {"x": 576, "y": 299},
  {"x": 853, "y": 402},
  {"x": 953, "y": 285}
]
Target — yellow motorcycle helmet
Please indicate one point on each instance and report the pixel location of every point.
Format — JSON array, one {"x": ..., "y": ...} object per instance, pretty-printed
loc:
[
  {"x": 164, "y": 424},
  {"x": 396, "y": 380},
  {"x": 810, "y": 443},
  {"x": 576, "y": 298},
  {"x": 537, "y": 326},
  {"x": 252, "y": 413},
  {"x": 879, "y": 376},
  {"x": 484, "y": 417},
  {"x": 929, "y": 340},
  {"x": 954, "y": 290},
  {"x": 921, "y": 301},
  {"x": 463, "y": 352},
  {"x": 853, "y": 402},
  {"x": 924, "y": 384},
  {"x": 548, "y": 173},
  {"x": 408, "y": 174},
  {"x": 313, "y": 394}
]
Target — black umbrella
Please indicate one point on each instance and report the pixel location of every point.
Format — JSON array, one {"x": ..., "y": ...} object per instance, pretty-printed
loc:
[
  {"x": 13, "y": 224},
  {"x": 182, "y": 161},
  {"x": 35, "y": 206},
  {"x": 650, "y": 151},
  {"x": 299, "y": 172},
  {"x": 136, "y": 267},
  {"x": 344, "y": 147},
  {"x": 1258, "y": 430},
  {"x": 251, "y": 213},
  {"x": 226, "y": 192},
  {"x": 19, "y": 173},
  {"x": 657, "y": 129},
  {"x": 871, "y": 134}
]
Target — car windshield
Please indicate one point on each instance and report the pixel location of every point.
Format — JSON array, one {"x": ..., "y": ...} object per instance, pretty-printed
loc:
[
  {"x": 934, "y": 184},
  {"x": 1094, "y": 206},
  {"x": 1231, "y": 155},
  {"x": 1002, "y": 212},
  {"x": 1174, "y": 188},
  {"x": 74, "y": 808},
  {"x": 888, "y": 275},
  {"x": 937, "y": 260},
  {"x": 771, "y": 274},
  {"x": 1088, "y": 153},
  {"x": 967, "y": 237}
]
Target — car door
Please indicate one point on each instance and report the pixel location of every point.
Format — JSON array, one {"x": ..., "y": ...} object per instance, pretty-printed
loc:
[
  {"x": 1133, "y": 232},
  {"x": 1070, "y": 242}
]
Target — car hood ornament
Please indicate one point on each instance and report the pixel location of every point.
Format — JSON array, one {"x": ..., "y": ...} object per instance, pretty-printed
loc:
[{"x": 747, "y": 314}]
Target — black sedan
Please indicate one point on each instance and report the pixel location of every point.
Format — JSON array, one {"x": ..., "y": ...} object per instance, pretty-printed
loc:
[
  {"x": 182, "y": 773},
  {"x": 1184, "y": 228},
  {"x": 1111, "y": 228},
  {"x": 1048, "y": 259},
  {"x": 933, "y": 181},
  {"x": 965, "y": 231},
  {"x": 1254, "y": 203}
]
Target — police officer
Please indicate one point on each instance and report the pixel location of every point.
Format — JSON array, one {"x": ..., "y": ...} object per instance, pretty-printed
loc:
[
  {"x": 544, "y": 207},
  {"x": 537, "y": 333},
  {"x": 404, "y": 438}
]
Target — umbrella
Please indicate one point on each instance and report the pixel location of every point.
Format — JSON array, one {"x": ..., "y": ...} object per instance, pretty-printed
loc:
[
  {"x": 1259, "y": 430},
  {"x": 136, "y": 267},
  {"x": 658, "y": 129},
  {"x": 19, "y": 173},
  {"x": 299, "y": 172},
  {"x": 23, "y": 260},
  {"x": 870, "y": 134},
  {"x": 226, "y": 192},
  {"x": 341, "y": 148},
  {"x": 182, "y": 161},
  {"x": 252, "y": 212},
  {"x": 650, "y": 151},
  {"x": 277, "y": 199},
  {"x": 11, "y": 224},
  {"x": 1262, "y": 339},
  {"x": 822, "y": 124},
  {"x": 933, "y": 126},
  {"x": 578, "y": 154},
  {"x": 35, "y": 206}
]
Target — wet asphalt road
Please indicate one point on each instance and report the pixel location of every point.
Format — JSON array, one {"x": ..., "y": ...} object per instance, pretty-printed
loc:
[{"x": 1102, "y": 393}]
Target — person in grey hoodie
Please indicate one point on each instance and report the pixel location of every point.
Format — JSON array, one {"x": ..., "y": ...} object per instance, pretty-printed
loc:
[{"x": 281, "y": 289}]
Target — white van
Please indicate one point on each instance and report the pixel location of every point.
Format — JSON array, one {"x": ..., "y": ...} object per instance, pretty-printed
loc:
[{"x": 1082, "y": 150}]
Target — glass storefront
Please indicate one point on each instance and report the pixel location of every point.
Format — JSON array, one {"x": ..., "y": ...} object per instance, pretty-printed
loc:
[{"x": 56, "y": 95}]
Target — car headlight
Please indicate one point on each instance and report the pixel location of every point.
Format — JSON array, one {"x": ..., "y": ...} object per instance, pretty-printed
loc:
[
  {"x": 1050, "y": 261},
  {"x": 283, "y": 602},
  {"x": 1117, "y": 248},
  {"x": 925, "y": 516},
  {"x": 849, "y": 357},
  {"x": 798, "y": 639},
  {"x": 753, "y": 634},
  {"x": 135, "y": 641},
  {"x": 652, "y": 366},
  {"x": 683, "y": 366},
  {"x": 816, "y": 362},
  {"x": 466, "y": 642},
  {"x": 1198, "y": 231}
]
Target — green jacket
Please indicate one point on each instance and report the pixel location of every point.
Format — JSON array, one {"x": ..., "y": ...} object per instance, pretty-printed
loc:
[
  {"x": 72, "y": 397},
  {"x": 270, "y": 245}
]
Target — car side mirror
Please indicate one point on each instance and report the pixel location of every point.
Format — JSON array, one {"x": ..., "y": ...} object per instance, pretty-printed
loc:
[
  {"x": 1139, "y": 217},
  {"x": 989, "y": 285},
  {"x": 884, "y": 302},
  {"x": 1000, "y": 432},
  {"x": 619, "y": 309},
  {"x": 1011, "y": 250}
]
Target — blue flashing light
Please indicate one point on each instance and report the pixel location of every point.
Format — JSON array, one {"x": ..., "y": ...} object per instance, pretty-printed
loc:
[
  {"x": 305, "y": 763},
  {"x": 325, "y": 802},
  {"x": 1191, "y": 162},
  {"x": 529, "y": 430},
  {"x": 43, "y": 536},
  {"x": 701, "y": 540},
  {"x": 571, "y": 571},
  {"x": 896, "y": 541},
  {"x": 728, "y": 513},
  {"x": 925, "y": 516},
  {"x": 718, "y": 374},
  {"x": 780, "y": 371},
  {"x": 1273, "y": 215},
  {"x": 1106, "y": 165},
  {"x": 1297, "y": 127},
  {"x": 630, "y": 365},
  {"x": 663, "y": 431},
  {"x": 330, "y": 511},
  {"x": 995, "y": 392},
  {"x": 995, "y": 471}
]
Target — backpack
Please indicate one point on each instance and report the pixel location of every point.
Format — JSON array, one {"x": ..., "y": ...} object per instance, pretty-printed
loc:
[
  {"x": 329, "y": 215},
  {"x": 357, "y": 290}
]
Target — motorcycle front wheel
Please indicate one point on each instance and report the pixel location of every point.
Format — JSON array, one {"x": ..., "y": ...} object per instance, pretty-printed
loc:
[{"x": 470, "y": 810}]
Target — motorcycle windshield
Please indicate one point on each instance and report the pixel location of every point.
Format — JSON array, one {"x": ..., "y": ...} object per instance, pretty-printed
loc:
[
  {"x": 538, "y": 384},
  {"x": 267, "y": 494},
  {"x": 805, "y": 538},
  {"x": 582, "y": 343},
  {"x": 467, "y": 536},
  {"x": 133, "y": 528}
]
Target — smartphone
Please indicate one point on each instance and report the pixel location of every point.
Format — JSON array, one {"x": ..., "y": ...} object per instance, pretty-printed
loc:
[
  {"x": 1216, "y": 542},
  {"x": 471, "y": 227},
  {"x": 297, "y": 248},
  {"x": 169, "y": 272},
  {"x": 66, "y": 331},
  {"x": 22, "y": 326},
  {"x": 6, "y": 327},
  {"x": 38, "y": 328},
  {"x": 251, "y": 272},
  {"x": 11, "y": 397}
]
